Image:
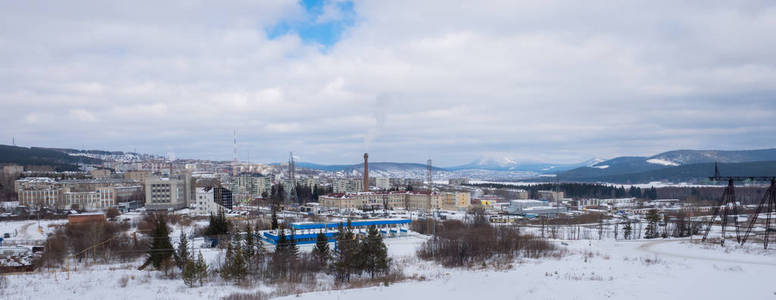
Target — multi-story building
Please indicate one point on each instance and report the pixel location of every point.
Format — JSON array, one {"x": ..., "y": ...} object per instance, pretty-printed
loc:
[
  {"x": 139, "y": 176},
  {"x": 261, "y": 184},
  {"x": 383, "y": 183},
  {"x": 456, "y": 200},
  {"x": 348, "y": 185},
  {"x": 90, "y": 194},
  {"x": 81, "y": 200},
  {"x": 379, "y": 200},
  {"x": 205, "y": 201},
  {"x": 100, "y": 173},
  {"x": 223, "y": 196},
  {"x": 551, "y": 196},
  {"x": 40, "y": 197},
  {"x": 168, "y": 193},
  {"x": 12, "y": 170}
]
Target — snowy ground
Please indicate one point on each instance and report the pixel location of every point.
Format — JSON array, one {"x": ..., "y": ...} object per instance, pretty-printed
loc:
[
  {"x": 28, "y": 231},
  {"x": 672, "y": 269},
  {"x": 598, "y": 269}
]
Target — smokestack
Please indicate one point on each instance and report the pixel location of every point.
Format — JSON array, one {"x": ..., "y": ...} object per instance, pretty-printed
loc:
[{"x": 366, "y": 172}]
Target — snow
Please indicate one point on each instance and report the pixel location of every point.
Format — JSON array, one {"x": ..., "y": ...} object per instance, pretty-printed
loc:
[
  {"x": 663, "y": 162},
  {"x": 583, "y": 269},
  {"x": 28, "y": 231},
  {"x": 592, "y": 270},
  {"x": 601, "y": 167}
]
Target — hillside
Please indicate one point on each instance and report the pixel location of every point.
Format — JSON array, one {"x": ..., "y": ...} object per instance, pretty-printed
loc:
[
  {"x": 693, "y": 173},
  {"x": 667, "y": 161},
  {"x": 36, "y": 156}
]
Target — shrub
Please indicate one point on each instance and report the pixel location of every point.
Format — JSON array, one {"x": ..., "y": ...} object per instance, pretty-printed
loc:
[{"x": 458, "y": 244}]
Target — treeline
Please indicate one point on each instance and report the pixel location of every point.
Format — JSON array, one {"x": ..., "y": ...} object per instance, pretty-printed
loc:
[
  {"x": 278, "y": 195},
  {"x": 247, "y": 261},
  {"x": 704, "y": 194},
  {"x": 580, "y": 190},
  {"x": 35, "y": 156}
]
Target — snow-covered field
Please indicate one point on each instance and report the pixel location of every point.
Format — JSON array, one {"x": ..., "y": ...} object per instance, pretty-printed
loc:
[
  {"x": 673, "y": 269},
  {"x": 598, "y": 269},
  {"x": 29, "y": 231}
]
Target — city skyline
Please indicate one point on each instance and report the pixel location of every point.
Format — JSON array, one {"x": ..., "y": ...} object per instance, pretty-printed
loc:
[{"x": 559, "y": 82}]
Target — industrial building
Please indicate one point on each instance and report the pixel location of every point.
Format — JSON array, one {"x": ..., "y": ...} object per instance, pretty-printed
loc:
[
  {"x": 307, "y": 232},
  {"x": 409, "y": 200}
]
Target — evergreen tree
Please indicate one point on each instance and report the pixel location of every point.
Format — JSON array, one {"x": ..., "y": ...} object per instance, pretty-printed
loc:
[
  {"x": 238, "y": 266},
  {"x": 315, "y": 193},
  {"x": 189, "y": 273},
  {"x": 345, "y": 254},
  {"x": 652, "y": 219},
  {"x": 279, "y": 262},
  {"x": 182, "y": 253},
  {"x": 274, "y": 224},
  {"x": 249, "y": 247},
  {"x": 374, "y": 253},
  {"x": 282, "y": 244},
  {"x": 226, "y": 268},
  {"x": 322, "y": 252},
  {"x": 627, "y": 231},
  {"x": 218, "y": 225},
  {"x": 201, "y": 268},
  {"x": 293, "y": 249},
  {"x": 161, "y": 248}
]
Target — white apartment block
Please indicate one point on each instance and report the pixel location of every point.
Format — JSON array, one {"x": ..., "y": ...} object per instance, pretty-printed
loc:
[
  {"x": 383, "y": 183},
  {"x": 204, "y": 203}
]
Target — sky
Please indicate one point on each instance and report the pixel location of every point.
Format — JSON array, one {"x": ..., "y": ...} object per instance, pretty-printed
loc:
[{"x": 455, "y": 81}]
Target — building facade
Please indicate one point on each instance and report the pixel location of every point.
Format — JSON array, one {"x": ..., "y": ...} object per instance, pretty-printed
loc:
[
  {"x": 379, "y": 200},
  {"x": 165, "y": 193}
]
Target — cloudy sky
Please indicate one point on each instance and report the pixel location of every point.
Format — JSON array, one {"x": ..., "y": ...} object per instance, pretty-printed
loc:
[{"x": 553, "y": 81}]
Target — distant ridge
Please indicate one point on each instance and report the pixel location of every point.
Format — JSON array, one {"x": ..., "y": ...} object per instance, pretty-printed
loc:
[
  {"x": 675, "y": 166},
  {"x": 37, "y": 156}
]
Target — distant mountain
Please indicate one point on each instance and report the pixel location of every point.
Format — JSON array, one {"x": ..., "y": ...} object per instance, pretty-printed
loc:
[
  {"x": 36, "y": 156},
  {"x": 507, "y": 164},
  {"x": 691, "y": 173},
  {"x": 665, "y": 164},
  {"x": 377, "y": 169}
]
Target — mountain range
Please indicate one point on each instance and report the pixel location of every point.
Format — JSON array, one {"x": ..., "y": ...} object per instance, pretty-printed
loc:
[
  {"x": 692, "y": 166},
  {"x": 673, "y": 166},
  {"x": 676, "y": 166}
]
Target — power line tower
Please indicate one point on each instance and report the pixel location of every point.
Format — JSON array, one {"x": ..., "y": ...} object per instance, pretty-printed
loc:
[
  {"x": 769, "y": 200},
  {"x": 729, "y": 206},
  {"x": 292, "y": 177}
]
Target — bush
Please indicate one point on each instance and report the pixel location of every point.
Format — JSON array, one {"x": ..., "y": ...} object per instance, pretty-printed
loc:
[
  {"x": 457, "y": 244},
  {"x": 111, "y": 240}
]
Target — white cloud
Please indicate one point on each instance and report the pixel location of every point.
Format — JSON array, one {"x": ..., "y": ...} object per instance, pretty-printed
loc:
[
  {"x": 551, "y": 80},
  {"x": 81, "y": 115}
]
